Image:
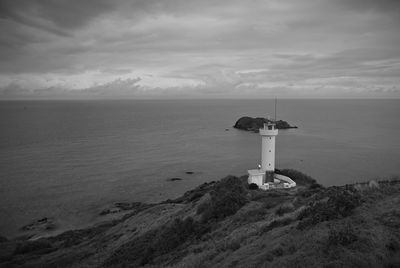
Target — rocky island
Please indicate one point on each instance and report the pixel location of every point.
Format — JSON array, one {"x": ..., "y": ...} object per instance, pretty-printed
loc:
[
  {"x": 226, "y": 224},
  {"x": 254, "y": 124}
]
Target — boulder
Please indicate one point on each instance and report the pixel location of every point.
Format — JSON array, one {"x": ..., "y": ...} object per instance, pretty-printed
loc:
[{"x": 174, "y": 179}]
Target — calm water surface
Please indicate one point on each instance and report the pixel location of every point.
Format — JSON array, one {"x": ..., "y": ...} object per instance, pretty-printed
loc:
[{"x": 69, "y": 159}]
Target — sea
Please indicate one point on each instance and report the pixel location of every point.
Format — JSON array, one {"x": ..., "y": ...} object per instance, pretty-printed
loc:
[{"x": 67, "y": 160}]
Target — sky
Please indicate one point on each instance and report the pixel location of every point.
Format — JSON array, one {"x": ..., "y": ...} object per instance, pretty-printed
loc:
[{"x": 199, "y": 49}]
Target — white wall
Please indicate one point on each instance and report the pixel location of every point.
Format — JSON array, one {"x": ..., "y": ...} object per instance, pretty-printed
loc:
[
  {"x": 268, "y": 153},
  {"x": 257, "y": 179},
  {"x": 288, "y": 180}
]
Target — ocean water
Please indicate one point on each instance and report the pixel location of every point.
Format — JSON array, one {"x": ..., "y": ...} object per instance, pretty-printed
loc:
[{"x": 69, "y": 159}]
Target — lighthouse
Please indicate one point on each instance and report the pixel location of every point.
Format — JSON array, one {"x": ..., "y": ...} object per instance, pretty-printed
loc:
[{"x": 265, "y": 177}]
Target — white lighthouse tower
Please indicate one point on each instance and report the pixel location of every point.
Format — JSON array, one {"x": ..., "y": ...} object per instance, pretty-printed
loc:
[
  {"x": 265, "y": 176},
  {"x": 268, "y": 134}
]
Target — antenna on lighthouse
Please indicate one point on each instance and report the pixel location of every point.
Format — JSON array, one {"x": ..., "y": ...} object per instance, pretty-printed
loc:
[{"x": 275, "y": 107}]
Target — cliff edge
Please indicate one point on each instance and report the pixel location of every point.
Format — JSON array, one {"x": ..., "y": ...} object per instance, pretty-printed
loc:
[{"x": 225, "y": 224}]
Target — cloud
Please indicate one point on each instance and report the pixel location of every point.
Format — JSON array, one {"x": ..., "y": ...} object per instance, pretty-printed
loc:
[
  {"x": 199, "y": 48},
  {"x": 53, "y": 15},
  {"x": 372, "y": 5}
]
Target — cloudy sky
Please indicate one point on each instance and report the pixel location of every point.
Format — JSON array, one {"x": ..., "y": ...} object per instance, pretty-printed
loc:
[{"x": 199, "y": 49}]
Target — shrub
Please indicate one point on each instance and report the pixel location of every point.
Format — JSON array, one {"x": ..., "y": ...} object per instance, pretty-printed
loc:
[
  {"x": 285, "y": 208},
  {"x": 340, "y": 204},
  {"x": 316, "y": 186},
  {"x": 393, "y": 262},
  {"x": 223, "y": 205},
  {"x": 175, "y": 234},
  {"x": 276, "y": 223},
  {"x": 195, "y": 194},
  {"x": 253, "y": 186},
  {"x": 228, "y": 245},
  {"x": 273, "y": 196},
  {"x": 251, "y": 215},
  {"x": 278, "y": 251},
  {"x": 391, "y": 219},
  {"x": 227, "y": 197},
  {"x": 234, "y": 245},
  {"x": 342, "y": 236},
  {"x": 393, "y": 245}
]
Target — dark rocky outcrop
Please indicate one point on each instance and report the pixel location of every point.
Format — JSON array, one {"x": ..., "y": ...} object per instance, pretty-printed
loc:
[
  {"x": 254, "y": 124},
  {"x": 174, "y": 179},
  {"x": 40, "y": 225},
  {"x": 123, "y": 207}
]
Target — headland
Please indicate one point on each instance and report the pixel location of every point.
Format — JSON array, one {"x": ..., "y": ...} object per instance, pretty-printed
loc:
[{"x": 226, "y": 224}]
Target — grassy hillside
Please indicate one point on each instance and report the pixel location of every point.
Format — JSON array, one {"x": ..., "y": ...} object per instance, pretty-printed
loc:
[{"x": 225, "y": 224}]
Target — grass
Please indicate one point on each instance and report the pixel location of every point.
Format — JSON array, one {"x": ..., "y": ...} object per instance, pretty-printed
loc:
[
  {"x": 234, "y": 226},
  {"x": 285, "y": 208},
  {"x": 340, "y": 203},
  {"x": 153, "y": 244},
  {"x": 36, "y": 246},
  {"x": 277, "y": 223},
  {"x": 342, "y": 235}
]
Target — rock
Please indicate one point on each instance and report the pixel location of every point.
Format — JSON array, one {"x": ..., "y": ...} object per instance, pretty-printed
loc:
[
  {"x": 280, "y": 124},
  {"x": 128, "y": 206},
  {"x": 174, "y": 179},
  {"x": 121, "y": 207},
  {"x": 109, "y": 211},
  {"x": 40, "y": 225},
  {"x": 254, "y": 124},
  {"x": 43, "y": 220},
  {"x": 104, "y": 212},
  {"x": 189, "y": 172}
]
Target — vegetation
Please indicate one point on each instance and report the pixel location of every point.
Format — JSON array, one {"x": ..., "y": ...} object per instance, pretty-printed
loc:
[
  {"x": 33, "y": 246},
  {"x": 225, "y": 224},
  {"x": 343, "y": 236},
  {"x": 337, "y": 203},
  {"x": 227, "y": 197},
  {"x": 156, "y": 243},
  {"x": 253, "y": 186},
  {"x": 285, "y": 208},
  {"x": 254, "y": 124},
  {"x": 195, "y": 194}
]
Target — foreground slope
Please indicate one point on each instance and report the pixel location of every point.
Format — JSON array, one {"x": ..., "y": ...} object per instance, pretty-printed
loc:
[{"x": 224, "y": 224}]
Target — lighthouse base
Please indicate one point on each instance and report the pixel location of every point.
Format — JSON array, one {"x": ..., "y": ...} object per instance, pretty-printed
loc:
[
  {"x": 269, "y": 180},
  {"x": 269, "y": 176}
]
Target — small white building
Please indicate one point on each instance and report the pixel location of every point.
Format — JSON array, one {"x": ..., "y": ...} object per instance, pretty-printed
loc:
[{"x": 265, "y": 176}]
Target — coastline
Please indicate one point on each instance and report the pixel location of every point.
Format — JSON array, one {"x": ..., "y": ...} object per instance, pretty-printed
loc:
[{"x": 232, "y": 216}]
